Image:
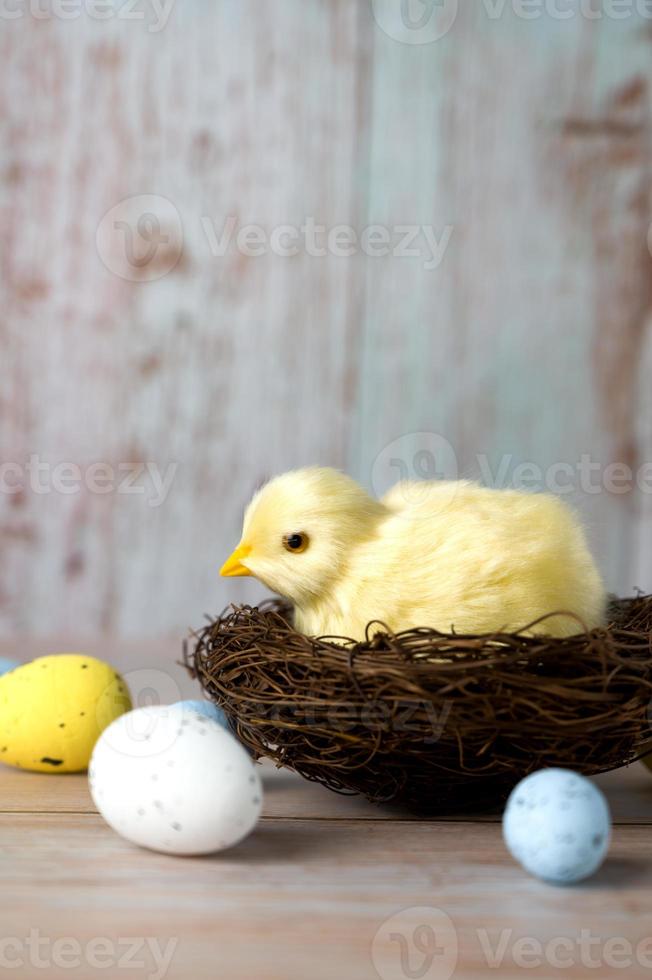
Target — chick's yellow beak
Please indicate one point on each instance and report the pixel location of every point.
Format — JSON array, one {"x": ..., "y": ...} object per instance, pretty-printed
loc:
[{"x": 233, "y": 566}]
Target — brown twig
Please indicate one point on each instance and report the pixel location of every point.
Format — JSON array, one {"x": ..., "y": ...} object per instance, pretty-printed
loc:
[{"x": 440, "y": 722}]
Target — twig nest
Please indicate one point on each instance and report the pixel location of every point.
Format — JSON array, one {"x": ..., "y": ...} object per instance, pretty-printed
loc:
[{"x": 438, "y": 722}]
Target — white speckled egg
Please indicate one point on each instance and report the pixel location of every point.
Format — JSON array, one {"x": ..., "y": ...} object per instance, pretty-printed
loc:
[
  {"x": 174, "y": 781},
  {"x": 557, "y": 825}
]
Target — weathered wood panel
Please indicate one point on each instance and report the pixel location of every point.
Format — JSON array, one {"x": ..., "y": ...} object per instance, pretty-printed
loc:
[
  {"x": 228, "y": 367},
  {"x": 532, "y": 140},
  {"x": 520, "y": 330}
]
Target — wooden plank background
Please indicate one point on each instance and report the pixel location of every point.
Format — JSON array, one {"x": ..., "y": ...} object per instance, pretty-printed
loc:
[{"x": 528, "y": 139}]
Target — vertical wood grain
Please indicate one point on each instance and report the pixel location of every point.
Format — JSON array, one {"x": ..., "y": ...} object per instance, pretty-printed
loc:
[
  {"x": 530, "y": 139},
  {"x": 229, "y": 368}
]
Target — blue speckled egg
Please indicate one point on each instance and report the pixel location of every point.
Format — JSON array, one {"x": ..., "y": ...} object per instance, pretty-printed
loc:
[
  {"x": 6, "y": 665},
  {"x": 205, "y": 708},
  {"x": 557, "y": 825}
]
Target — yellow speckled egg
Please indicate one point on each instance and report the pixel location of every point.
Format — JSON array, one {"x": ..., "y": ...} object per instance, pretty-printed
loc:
[{"x": 53, "y": 710}]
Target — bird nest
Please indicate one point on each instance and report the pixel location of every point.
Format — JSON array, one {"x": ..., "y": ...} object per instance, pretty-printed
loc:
[{"x": 437, "y": 722}]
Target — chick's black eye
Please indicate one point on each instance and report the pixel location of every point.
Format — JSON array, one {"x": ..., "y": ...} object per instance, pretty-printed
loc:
[{"x": 295, "y": 542}]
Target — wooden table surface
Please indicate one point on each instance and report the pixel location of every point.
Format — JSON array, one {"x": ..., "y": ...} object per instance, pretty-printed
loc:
[{"x": 326, "y": 887}]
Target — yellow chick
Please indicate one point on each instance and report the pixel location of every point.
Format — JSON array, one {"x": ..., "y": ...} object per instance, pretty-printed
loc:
[{"x": 447, "y": 555}]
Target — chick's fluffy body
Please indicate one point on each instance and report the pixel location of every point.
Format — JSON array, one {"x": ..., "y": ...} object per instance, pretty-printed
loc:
[{"x": 448, "y": 555}]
